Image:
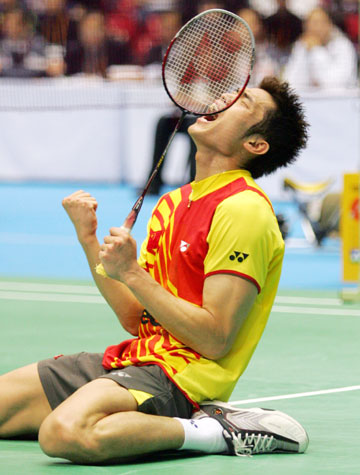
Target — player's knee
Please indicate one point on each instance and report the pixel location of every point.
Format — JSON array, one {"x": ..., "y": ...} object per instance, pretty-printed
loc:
[
  {"x": 53, "y": 436},
  {"x": 66, "y": 439}
]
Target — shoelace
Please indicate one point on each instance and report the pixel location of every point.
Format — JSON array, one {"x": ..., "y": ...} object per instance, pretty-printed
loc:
[{"x": 251, "y": 444}]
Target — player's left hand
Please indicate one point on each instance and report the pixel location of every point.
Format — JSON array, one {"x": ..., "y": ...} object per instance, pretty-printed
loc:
[{"x": 118, "y": 254}]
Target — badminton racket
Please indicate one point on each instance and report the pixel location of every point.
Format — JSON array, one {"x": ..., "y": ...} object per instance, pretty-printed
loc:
[{"x": 211, "y": 55}]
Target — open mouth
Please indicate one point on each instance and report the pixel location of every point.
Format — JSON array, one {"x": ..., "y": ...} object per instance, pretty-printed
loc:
[
  {"x": 217, "y": 105},
  {"x": 211, "y": 118}
]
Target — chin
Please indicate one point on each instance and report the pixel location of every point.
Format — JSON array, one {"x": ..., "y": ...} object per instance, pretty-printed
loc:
[{"x": 192, "y": 130}]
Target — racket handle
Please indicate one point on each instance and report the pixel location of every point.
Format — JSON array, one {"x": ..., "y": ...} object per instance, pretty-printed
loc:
[{"x": 130, "y": 221}]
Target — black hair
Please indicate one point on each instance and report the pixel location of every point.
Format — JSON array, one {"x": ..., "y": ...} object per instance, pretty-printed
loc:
[{"x": 285, "y": 129}]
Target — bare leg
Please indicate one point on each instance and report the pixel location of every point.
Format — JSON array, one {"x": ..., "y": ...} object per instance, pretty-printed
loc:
[
  {"x": 23, "y": 404},
  {"x": 100, "y": 423}
]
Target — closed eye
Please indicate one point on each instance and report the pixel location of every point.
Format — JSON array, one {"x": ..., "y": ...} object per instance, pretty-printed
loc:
[{"x": 247, "y": 100}]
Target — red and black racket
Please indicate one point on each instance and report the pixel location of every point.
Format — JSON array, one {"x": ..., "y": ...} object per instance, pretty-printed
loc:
[{"x": 211, "y": 55}]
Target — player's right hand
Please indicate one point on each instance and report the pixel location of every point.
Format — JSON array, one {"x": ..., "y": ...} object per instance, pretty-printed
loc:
[{"x": 81, "y": 208}]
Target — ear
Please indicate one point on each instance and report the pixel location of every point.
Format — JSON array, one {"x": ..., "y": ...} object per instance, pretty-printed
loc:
[{"x": 256, "y": 145}]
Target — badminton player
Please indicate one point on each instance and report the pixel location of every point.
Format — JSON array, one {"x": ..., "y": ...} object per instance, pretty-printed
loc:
[{"x": 196, "y": 302}]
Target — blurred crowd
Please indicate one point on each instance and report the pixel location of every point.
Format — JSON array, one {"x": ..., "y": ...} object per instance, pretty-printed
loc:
[{"x": 311, "y": 43}]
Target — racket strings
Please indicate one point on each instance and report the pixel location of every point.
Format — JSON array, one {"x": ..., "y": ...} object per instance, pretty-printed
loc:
[{"x": 210, "y": 57}]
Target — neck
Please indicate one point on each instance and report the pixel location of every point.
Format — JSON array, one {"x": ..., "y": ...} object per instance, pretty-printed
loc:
[{"x": 208, "y": 164}]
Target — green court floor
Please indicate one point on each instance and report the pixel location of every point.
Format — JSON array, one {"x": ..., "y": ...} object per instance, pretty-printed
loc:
[{"x": 307, "y": 364}]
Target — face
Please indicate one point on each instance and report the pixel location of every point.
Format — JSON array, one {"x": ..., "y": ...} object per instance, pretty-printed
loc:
[
  {"x": 92, "y": 32},
  {"x": 53, "y": 6},
  {"x": 14, "y": 26},
  {"x": 170, "y": 24},
  {"x": 253, "y": 20},
  {"x": 224, "y": 133},
  {"x": 319, "y": 25}
]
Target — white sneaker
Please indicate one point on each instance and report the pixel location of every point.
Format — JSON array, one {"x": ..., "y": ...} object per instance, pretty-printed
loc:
[{"x": 256, "y": 431}]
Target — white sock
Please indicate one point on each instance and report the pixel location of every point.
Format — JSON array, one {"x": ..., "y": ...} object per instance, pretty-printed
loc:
[{"x": 205, "y": 435}]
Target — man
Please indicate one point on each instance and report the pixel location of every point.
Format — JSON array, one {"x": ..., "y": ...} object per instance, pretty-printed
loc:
[
  {"x": 22, "y": 55},
  {"x": 283, "y": 29},
  {"x": 197, "y": 301},
  {"x": 94, "y": 51}
]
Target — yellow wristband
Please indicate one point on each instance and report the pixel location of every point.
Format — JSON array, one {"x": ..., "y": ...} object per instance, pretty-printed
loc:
[{"x": 101, "y": 271}]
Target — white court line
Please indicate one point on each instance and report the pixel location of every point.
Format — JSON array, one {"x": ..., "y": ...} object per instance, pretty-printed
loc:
[
  {"x": 298, "y": 395},
  {"x": 63, "y": 296},
  {"x": 316, "y": 311},
  {"x": 40, "y": 297},
  {"x": 308, "y": 300},
  {"x": 60, "y": 288},
  {"x": 12, "y": 290},
  {"x": 92, "y": 289}
]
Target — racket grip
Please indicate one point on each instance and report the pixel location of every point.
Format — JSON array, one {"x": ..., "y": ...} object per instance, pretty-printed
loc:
[{"x": 129, "y": 221}]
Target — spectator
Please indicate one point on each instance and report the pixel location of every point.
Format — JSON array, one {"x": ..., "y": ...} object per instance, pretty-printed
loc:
[
  {"x": 323, "y": 56},
  {"x": 7, "y": 5},
  {"x": 53, "y": 23},
  {"x": 149, "y": 39},
  {"x": 264, "y": 65},
  {"x": 345, "y": 14},
  {"x": 122, "y": 22},
  {"x": 170, "y": 22},
  {"x": 54, "y": 26},
  {"x": 283, "y": 28},
  {"x": 94, "y": 52},
  {"x": 21, "y": 52},
  {"x": 190, "y": 8},
  {"x": 97, "y": 5},
  {"x": 351, "y": 20}
]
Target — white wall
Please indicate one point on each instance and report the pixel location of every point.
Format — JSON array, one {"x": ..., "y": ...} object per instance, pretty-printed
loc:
[{"x": 111, "y": 145}]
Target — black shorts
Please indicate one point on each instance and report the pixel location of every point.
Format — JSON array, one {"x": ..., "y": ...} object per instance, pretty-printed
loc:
[{"x": 62, "y": 376}]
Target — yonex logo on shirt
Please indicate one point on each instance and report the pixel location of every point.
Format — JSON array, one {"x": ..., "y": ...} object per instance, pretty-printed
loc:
[
  {"x": 239, "y": 256},
  {"x": 120, "y": 373},
  {"x": 184, "y": 246}
]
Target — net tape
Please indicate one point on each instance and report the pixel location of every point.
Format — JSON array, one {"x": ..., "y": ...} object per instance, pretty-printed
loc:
[
  {"x": 72, "y": 93},
  {"x": 211, "y": 56}
]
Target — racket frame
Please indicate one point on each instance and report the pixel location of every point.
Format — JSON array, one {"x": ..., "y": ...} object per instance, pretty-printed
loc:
[
  {"x": 180, "y": 32},
  {"x": 132, "y": 216}
]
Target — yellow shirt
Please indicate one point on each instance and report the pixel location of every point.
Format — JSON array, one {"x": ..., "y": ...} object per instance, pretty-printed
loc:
[{"x": 222, "y": 224}]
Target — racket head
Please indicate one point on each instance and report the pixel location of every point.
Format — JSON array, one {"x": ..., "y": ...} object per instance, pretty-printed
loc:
[{"x": 211, "y": 55}]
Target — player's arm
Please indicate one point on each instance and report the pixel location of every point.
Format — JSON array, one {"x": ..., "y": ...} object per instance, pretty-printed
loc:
[
  {"x": 211, "y": 329},
  {"x": 81, "y": 208}
]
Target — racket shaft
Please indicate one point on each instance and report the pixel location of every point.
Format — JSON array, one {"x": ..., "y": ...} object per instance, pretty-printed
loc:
[
  {"x": 132, "y": 216},
  {"x": 130, "y": 220}
]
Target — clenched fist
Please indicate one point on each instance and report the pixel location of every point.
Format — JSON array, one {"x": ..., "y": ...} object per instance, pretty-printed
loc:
[
  {"x": 118, "y": 253},
  {"x": 81, "y": 208}
]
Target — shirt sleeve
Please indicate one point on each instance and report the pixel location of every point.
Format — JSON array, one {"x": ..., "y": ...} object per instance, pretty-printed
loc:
[{"x": 243, "y": 237}]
